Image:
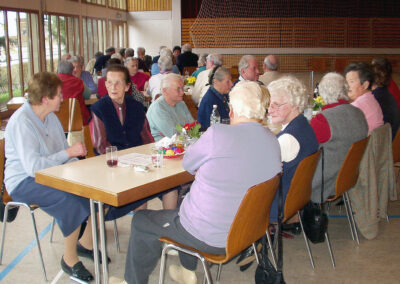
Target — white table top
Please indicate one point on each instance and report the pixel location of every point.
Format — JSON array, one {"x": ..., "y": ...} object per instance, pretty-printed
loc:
[{"x": 92, "y": 178}]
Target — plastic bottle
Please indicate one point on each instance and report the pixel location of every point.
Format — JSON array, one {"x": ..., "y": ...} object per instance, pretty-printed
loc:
[{"x": 215, "y": 118}]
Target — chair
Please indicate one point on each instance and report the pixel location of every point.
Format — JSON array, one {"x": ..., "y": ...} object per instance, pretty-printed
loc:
[
  {"x": 250, "y": 224},
  {"x": 347, "y": 178},
  {"x": 190, "y": 105},
  {"x": 63, "y": 116},
  {"x": 10, "y": 204},
  {"x": 234, "y": 73},
  {"x": 300, "y": 194},
  {"x": 189, "y": 70}
]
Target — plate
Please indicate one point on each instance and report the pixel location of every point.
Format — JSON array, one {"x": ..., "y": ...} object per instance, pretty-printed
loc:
[{"x": 174, "y": 156}]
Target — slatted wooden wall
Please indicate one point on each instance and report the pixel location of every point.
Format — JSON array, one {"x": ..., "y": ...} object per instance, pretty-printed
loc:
[
  {"x": 149, "y": 5},
  {"x": 293, "y": 32}
]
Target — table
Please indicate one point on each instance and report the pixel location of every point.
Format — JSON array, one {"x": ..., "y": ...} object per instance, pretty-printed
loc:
[
  {"x": 15, "y": 103},
  {"x": 93, "y": 98},
  {"x": 93, "y": 179}
]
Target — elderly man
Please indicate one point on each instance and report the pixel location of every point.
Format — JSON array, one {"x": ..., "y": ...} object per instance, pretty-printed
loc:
[
  {"x": 141, "y": 54},
  {"x": 208, "y": 210},
  {"x": 164, "y": 52},
  {"x": 169, "y": 109},
  {"x": 154, "y": 87},
  {"x": 248, "y": 69},
  {"x": 91, "y": 62},
  {"x": 201, "y": 86},
  {"x": 187, "y": 58},
  {"x": 102, "y": 60},
  {"x": 72, "y": 87},
  {"x": 270, "y": 66},
  {"x": 78, "y": 72}
]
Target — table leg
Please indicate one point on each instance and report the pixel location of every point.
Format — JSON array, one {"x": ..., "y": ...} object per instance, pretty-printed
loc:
[
  {"x": 103, "y": 242},
  {"x": 95, "y": 246}
]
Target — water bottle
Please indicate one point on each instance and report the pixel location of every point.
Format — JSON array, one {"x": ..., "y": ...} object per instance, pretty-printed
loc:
[{"x": 215, "y": 118}]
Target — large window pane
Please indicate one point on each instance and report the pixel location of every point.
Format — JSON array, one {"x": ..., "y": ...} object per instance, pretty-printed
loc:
[
  {"x": 77, "y": 41},
  {"x": 63, "y": 35},
  {"x": 90, "y": 38},
  {"x": 71, "y": 37},
  {"x": 4, "y": 93},
  {"x": 84, "y": 37},
  {"x": 14, "y": 53},
  {"x": 55, "y": 41},
  {"x": 95, "y": 37},
  {"x": 25, "y": 48}
]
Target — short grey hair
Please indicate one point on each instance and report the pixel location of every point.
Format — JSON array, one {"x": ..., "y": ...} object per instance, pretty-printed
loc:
[
  {"x": 218, "y": 73},
  {"x": 77, "y": 58},
  {"x": 291, "y": 88},
  {"x": 161, "y": 48},
  {"x": 129, "y": 59},
  {"x": 271, "y": 66},
  {"x": 244, "y": 62},
  {"x": 203, "y": 59},
  {"x": 332, "y": 88},
  {"x": 248, "y": 100},
  {"x": 215, "y": 58},
  {"x": 65, "y": 67},
  {"x": 186, "y": 47},
  {"x": 165, "y": 63},
  {"x": 129, "y": 52},
  {"x": 168, "y": 78},
  {"x": 166, "y": 52}
]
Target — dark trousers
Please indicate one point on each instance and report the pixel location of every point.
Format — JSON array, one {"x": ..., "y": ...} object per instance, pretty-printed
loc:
[{"x": 145, "y": 249}]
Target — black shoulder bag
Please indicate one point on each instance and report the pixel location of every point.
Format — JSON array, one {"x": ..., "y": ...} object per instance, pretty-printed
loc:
[
  {"x": 12, "y": 213},
  {"x": 315, "y": 220},
  {"x": 266, "y": 272}
]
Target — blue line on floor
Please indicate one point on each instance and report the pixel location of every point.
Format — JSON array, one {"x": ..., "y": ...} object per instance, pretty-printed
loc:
[
  {"x": 16, "y": 260},
  {"x": 344, "y": 216}
]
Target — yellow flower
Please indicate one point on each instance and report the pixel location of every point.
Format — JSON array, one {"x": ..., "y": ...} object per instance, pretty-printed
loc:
[{"x": 191, "y": 80}]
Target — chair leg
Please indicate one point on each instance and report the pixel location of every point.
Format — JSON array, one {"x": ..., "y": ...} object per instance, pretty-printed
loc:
[
  {"x": 271, "y": 249},
  {"x": 306, "y": 241},
  {"x": 162, "y": 264},
  {"x": 352, "y": 218},
  {"x": 4, "y": 232},
  {"x": 256, "y": 253},
  {"x": 328, "y": 242},
  {"x": 206, "y": 270},
  {"x": 219, "y": 271},
  {"x": 116, "y": 236},
  {"x": 348, "y": 218},
  {"x": 52, "y": 229},
  {"x": 38, "y": 242}
]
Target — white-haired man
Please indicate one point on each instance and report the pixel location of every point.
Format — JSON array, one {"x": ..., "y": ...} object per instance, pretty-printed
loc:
[
  {"x": 187, "y": 58},
  {"x": 270, "y": 66},
  {"x": 201, "y": 86},
  {"x": 169, "y": 109},
  {"x": 248, "y": 69}
]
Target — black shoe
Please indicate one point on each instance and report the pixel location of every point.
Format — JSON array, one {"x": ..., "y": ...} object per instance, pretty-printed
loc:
[
  {"x": 246, "y": 256},
  {"x": 294, "y": 228},
  {"x": 244, "y": 267},
  {"x": 88, "y": 253},
  {"x": 78, "y": 271}
]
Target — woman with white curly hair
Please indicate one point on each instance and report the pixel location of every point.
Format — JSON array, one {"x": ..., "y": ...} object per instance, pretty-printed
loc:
[
  {"x": 296, "y": 139},
  {"x": 337, "y": 127}
]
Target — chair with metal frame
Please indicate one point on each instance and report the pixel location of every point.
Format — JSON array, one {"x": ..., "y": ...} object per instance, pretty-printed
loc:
[
  {"x": 347, "y": 178},
  {"x": 299, "y": 195},
  {"x": 249, "y": 225},
  {"x": 12, "y": 204}
]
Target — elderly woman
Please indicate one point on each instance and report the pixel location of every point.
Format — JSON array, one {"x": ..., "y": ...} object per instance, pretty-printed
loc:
[
  {"x": 387, "y": 102},
  {"x": 138, "y": 78},
  {"x": 154, "y": 88},
  {"x": 360, "y": 78},
  {"x": 337, "y": 127},
  {"x": 220, "y": 81},
  {"x": 155, "y": 68},
  {"x": 296, "y": 139},
  {"x": 201, "y": 63},
  {"x": 35, "y": 122},
  {"x": 78, "y": 72},
  {"x": 208, "y": 210}
]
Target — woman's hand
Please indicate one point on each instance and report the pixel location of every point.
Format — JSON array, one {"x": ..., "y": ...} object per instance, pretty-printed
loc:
[{"x": 77, "y": 150}]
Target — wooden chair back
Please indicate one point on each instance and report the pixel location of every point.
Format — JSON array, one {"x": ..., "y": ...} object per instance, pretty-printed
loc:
[
  {"x": 190, "y": 105},
  {"x": 234, "y": 73},
  {"x": 252, "y": 218},
  {"x": 396, "y": 147},
  {"x": 300, "y": 187},
  {"x": 348, "y": 173},
  {"x": 189, "y": 69},
  {"x": 6, "y": 198},
  {"x": 63, "y": 115},
  {"x": 88, "y": 142},
  {"x": 319, "y": 64}
]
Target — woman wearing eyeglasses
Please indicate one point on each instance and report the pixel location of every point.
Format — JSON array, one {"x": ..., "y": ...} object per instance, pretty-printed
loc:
[{"x": 220, "y": 81}]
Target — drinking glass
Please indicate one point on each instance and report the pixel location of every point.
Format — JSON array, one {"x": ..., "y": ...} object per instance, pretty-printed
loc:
[
  {"x": 225, "y": 121},
  {"x": 308, "y": 113},
  {"x": 112, "y": 156},
  {"x": 157, "y": 157}
]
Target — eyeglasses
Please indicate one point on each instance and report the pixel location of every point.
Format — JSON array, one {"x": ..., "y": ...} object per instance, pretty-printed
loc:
[
  {"x": 118, "y": 84},
  {"x": 276, "y": 106}
]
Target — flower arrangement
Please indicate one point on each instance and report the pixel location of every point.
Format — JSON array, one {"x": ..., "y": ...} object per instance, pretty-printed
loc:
[
  {"x": 190, "y": 81},
  {"x": 192, "y": 129},
  {"x": 318, "y": 103}
]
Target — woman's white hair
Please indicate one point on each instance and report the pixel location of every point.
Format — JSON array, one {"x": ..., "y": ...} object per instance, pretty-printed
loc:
[
  {"x": 332, "y": 88},
  {"x": 165, "y": 63},
  {"x": 291, "y": 88},
  {"x": 248, "y": 100},
  {"x": 168, "y": 79},
  {"x": 166, "y": 52}
]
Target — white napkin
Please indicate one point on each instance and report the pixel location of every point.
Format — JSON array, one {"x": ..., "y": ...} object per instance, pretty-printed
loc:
[{"x": 165, "y": 142}]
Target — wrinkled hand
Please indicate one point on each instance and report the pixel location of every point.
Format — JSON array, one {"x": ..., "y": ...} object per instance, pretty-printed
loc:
[{"x": 77, "y": 150}]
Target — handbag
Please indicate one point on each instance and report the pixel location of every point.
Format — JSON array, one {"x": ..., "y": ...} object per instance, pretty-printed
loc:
[
  {"x": 73, "y": 136},
  {"x": 266, "y": 272},
  {"x": 314, "y": 218},
  {"x": 12, "y": 213}
]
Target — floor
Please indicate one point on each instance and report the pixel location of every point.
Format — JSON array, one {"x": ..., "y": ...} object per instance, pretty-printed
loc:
[{"x": 374, "y": 261}]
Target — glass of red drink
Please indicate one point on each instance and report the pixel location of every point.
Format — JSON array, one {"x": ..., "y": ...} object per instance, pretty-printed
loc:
[{"x": 112, "y": 156}]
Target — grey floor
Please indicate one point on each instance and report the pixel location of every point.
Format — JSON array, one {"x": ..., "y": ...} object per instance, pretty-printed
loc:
[{"x": 374, "y": 261}]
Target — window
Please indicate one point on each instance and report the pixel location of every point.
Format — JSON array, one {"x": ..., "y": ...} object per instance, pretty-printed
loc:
[
  {"x": 94, "y": 37},
  {"x": 117, "y": 4},
  {"x": 19, "y": 51}
]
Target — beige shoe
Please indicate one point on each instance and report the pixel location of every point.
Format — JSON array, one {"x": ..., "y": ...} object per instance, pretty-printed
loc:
[
  {"x": 115, "y": 280},
  {"x": 182, "y": 275}
]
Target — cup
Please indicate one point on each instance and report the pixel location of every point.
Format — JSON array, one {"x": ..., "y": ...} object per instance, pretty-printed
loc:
[
  {"x": 225, "y": 121},
  {"x": 157, "y": 158},
  {"x": 112, "y": 156},
  {"x": 308, "y": 112}
]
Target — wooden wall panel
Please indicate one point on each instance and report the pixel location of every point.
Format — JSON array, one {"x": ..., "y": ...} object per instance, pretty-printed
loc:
[
  {"x": 292, "y": 32},
  {"x": 149, "y": 5}
]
